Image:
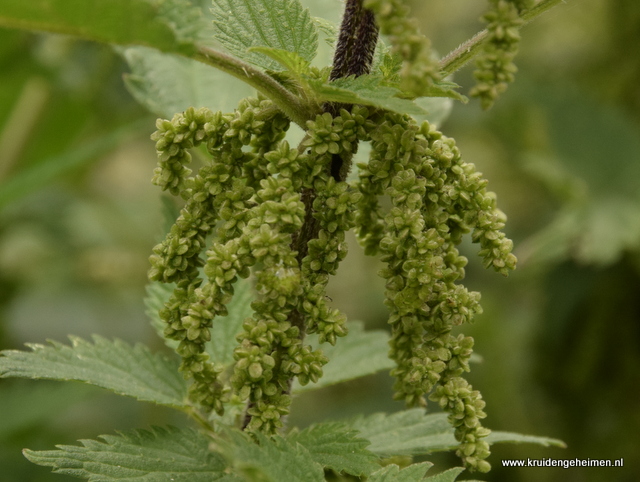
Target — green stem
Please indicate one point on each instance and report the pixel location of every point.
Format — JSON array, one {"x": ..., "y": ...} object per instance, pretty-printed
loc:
[
  {"x": 458, "y": 58},
  {"x": 292, "y": 105},
  {"x": 201, "y": 420}
]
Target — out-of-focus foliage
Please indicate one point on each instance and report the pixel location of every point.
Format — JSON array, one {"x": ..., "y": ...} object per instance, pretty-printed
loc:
[{"x": 560, "y": 339}]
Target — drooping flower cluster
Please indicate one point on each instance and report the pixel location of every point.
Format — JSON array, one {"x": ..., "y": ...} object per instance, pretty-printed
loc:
[
  {"x": 280, "y": 213},
  {"x": 419, "y": 68},
  {"x": 219, "y": 193},
  {"x": 495, "y": 67},
  {"x": 246, "y": 210},
  {"x": 435, "y": 198}
]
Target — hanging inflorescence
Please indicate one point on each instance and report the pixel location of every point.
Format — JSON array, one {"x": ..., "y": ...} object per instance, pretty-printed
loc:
[
  {"x": 435, "y": 198},
  {"x": 494, "y": 67},
  {"x": 419, "y": 68},
  {"x": 245, "y": 211},
  {"x": 260, "y": 207}
]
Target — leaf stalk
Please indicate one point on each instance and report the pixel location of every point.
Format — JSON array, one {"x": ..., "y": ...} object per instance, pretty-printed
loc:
[{"x": 293, "y": 106}]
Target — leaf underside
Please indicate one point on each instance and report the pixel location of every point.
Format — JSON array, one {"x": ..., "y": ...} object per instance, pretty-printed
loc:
[
  {"x": 160, "y": 454},
  {"x": 166, "y": 83},
  {"x": 414, "y": 432},
  {"x": 225, "y": 328},
  {"x": 338, "y": 447},
  {"x": 365, "y": 90},
  {"x": 359, "y": 354},
  {"x": 392, "y": 473},
  {"x": 272, "y": 459},
  {"x": 132, "y": 371}
]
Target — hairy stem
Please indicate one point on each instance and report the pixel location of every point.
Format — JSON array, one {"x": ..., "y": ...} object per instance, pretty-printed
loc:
[
  {"x": 356, "y": 42},
  {"x": 353, "y": 56},
  {"x": 292, "y": 105},
  {"x": 458, "y": 58}
]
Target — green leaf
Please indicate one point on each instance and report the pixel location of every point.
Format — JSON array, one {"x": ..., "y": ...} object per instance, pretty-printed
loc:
[
  {"x": 279, "y": 24},
  {"x": 329, "y": 30},
  {"x": 392, "y": 473},
  {"x": 359, "y": 354},
  {"x": 414, "y": 432},
  {"x": 166, "y": 84},
  {"x": 409, "y": 432},
  {"x": 517, "y": 438},
  {"x": 289, "y": 60},
  {"x": 114, "y": 365},
  {"x": 158, "y": 455},
  {"x": 225, "y": 329},
  {"x": 445, "y": 88},
  {"x": 272, "y": 459},
  {"x": 337, "y": 447},
  {"x": 170, "y": 25},
  {"x": 438, "y": 108},
  {"x": 364, "y": 90},
  {"x": 157, "y": 295},
  {"x": 447, "y": 476}
]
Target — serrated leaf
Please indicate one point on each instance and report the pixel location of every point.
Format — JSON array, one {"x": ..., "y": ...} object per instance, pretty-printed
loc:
[
  {"x": 445, "y": 88},
  {"x": 364, "y": 90},
  {"x": 127, "y": 370},
  {"x": 271, "y": 459},
  {"x": 279, "y": 24},
  {"x": 409, "y": 432},
  {"x": 516, "y": 438},
  {"x": 447, "y": 476},
  {"x": 157, "y": 295},
  {"x": 170, "y": 25},
  {"x": 166, "y": 84},
  {"x": 337, "y": 447},
  {"x": 289, "y": 60},
  {"x": 392, "y": 473},
  {"x": 329, "y": 30},
  {"x": 225, "y": 329},
  {"x": 414, "y": 432},
  {"x": 359, "y": 354},
  {"x": 157, "y": 455}
]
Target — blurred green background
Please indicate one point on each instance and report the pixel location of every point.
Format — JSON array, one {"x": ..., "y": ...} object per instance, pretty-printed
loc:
[{"x": 560, "y": 338}]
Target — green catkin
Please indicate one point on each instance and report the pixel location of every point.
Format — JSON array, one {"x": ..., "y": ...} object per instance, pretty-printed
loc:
[
  {"x": 244, "y": 211},
  {"x": 419, "y": 69},
  {"x": 249, "y": 201},
  {"x": 246, "y": 202},
  {"x": 494, "y": 67},
  {"x": 219, "y": 192},
  {"x": 435, "y": 198}
]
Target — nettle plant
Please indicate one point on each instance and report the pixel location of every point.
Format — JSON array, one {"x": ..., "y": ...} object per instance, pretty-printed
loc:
[{"x": 238, "y": 284}]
